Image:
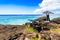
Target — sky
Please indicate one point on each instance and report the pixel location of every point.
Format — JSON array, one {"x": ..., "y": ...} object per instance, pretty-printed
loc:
[
  {"x": 49, "y": 5},
  {"x": 29, "y": 6},
  {"x": 18, "y": 6}
]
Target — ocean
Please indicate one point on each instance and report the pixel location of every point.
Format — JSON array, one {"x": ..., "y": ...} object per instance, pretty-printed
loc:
[{"x": 21, "y": 19}]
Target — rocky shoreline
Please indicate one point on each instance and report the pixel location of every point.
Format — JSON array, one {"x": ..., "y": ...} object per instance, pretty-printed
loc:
[{"x": 43, "y": 28}]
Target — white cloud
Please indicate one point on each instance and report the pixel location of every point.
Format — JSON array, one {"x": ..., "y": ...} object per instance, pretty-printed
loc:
[{"x": 50, "y": 5}]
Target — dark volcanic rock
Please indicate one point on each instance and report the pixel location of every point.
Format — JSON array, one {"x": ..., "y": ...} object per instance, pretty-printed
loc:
[
  {"x": 41, "y": 19},
  {"x": 47, "y": 35},
  {"x": 10, "y": 31},
  {"x": 56, "y": 20}
]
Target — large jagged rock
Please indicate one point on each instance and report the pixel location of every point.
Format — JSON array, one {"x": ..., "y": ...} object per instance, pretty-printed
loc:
[
  {"x": 47, "y": 35},
  {"x": 40, "y": 19},
  {"x": 8, "y": 32},
  {"x": 56, "y": 20},
  {"x": 41, "y": 23},
  {"x": 15, "y": 32}
]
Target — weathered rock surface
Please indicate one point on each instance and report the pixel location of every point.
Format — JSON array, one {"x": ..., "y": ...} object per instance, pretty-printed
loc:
[
  {"x": 47, "y": 35},
  {"x": 41, "y": 19},
  {"x": 8, "y": 31},
  {"x": 56, "y": 20}
]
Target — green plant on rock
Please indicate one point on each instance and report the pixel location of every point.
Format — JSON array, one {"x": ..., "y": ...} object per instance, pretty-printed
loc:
[
  {"x": 34, "y": 38},
  {"x": 30, "y": 29}
]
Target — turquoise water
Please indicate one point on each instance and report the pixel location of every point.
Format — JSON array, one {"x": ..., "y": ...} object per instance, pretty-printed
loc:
[{"x": 21, "y": 19}]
